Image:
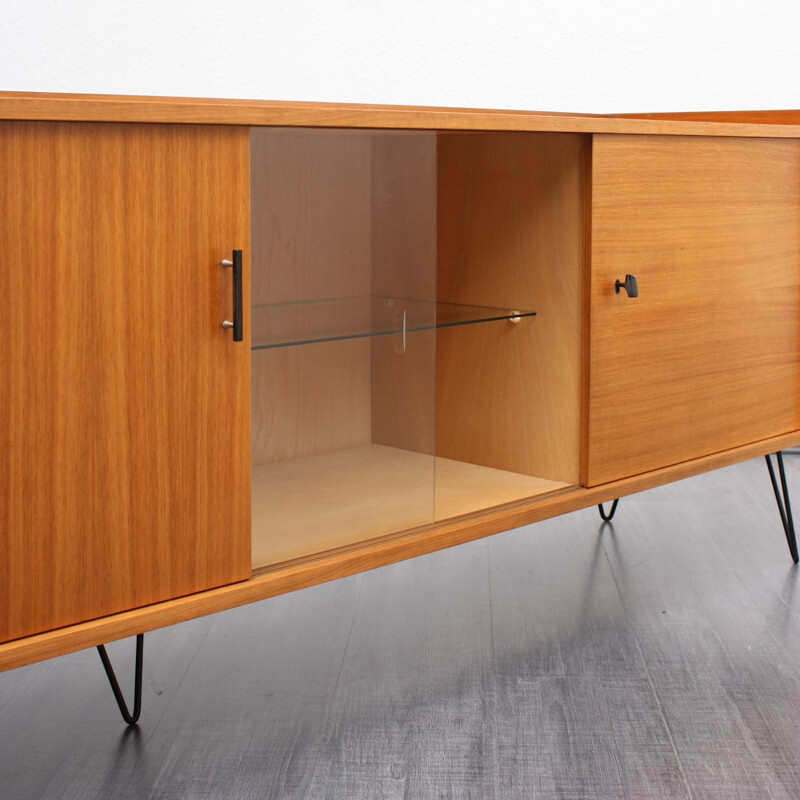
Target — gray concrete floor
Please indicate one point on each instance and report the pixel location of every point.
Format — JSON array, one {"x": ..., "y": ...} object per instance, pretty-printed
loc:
[{"x": 657, "y": 657}]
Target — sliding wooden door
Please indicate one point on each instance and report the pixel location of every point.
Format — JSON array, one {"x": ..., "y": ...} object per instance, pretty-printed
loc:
[
  {"x": 124, "y": 405},
  {"x": 707, "y": 357}
]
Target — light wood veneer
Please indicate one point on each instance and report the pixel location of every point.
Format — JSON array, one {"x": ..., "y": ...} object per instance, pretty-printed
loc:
[
  {"x": 310, "y": 207},
  {"x": 510, "y": 236},
  {"x": 706, "y": 358},
  {"x": 323, "y": 502},
  {"x": 124, "y": 449}
]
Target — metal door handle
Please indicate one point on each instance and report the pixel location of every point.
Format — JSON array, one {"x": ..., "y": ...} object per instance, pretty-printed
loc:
[
  {"x": 629, "y": 285},
  {"x": 237, "y": 324}
]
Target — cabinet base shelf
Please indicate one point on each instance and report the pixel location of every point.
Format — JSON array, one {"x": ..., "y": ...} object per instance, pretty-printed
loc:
[{"x": 330, "y": 500}]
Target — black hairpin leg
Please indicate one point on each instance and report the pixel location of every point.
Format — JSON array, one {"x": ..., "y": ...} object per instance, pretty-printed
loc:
[
  {"x": 784, "y": 506},
  {"x": 608, "y": 517},
  {"x": 131, "y": 719}
]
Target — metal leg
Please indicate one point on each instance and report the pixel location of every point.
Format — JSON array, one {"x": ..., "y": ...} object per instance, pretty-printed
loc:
[
  {"x": 131, "y": 719},
  {"x": 608, "y": 517},
  {"x": 784, "y": 508}
]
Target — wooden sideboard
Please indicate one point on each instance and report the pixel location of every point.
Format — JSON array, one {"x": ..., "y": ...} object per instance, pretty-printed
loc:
[{"x": 435, "y": 345}]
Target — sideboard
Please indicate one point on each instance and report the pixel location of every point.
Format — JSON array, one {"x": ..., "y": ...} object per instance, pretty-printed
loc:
[{"x": 249, "y": 347}]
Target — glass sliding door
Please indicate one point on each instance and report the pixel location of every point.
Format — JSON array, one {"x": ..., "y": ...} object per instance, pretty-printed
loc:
[{"x": 343, "y": 337}]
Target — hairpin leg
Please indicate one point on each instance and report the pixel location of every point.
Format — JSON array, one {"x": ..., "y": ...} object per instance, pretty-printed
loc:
[
  {"x": 131, "y": 719},
  {"x": 608, "y": 517},
  {"x": 782, "y": 499}
]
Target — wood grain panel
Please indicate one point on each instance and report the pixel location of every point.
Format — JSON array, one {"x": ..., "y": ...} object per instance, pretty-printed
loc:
[
  {"x": 404, "y": 266},
  {"x": 124, "y": 450},
  {"x": 706, "y": 358},
  {"x": 348, "y": 561},
  {"x": 404, "y": 215},
  {"x": 510, "y": 236},
  {"x": 775, "y": 117},
  {"x": 119, "y": 108},
  {"x": 306, "y": 506},
  {"x": 312, "y": 239},
  {"x": 404, "y": 391},
  {"x": 310, "y": 399},
  {"x": 311, "y": 198}
]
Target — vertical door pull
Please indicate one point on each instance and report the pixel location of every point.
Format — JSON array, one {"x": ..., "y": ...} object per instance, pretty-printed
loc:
[{"x": 236, "y": 325}]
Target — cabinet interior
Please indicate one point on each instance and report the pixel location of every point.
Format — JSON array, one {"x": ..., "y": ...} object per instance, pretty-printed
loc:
[{"x": 416, "y": 329}]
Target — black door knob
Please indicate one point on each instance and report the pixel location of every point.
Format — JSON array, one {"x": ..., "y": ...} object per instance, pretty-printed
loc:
[{"x": 629, "y": 285}]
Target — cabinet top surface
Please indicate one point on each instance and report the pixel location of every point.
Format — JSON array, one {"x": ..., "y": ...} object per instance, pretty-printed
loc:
[{"x": 125, "y": 108}]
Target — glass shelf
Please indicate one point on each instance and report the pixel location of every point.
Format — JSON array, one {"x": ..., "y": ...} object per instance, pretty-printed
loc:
[{"x": 286, "y": 324}]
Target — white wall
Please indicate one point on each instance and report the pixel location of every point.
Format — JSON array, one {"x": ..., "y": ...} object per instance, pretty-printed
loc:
[{"x": 618, "y": 55}]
